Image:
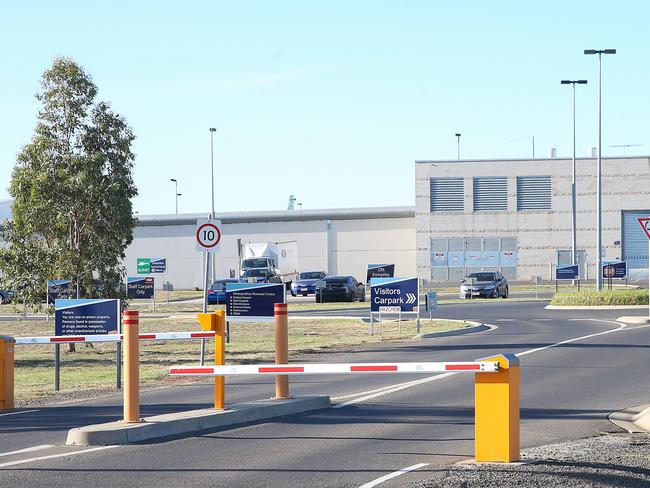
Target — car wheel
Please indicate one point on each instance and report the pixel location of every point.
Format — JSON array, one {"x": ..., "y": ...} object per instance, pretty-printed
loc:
[
  {"x": 318, "y": 299},
  {"x": 363, "y": 298},
  {"x": 2, "y": 299},
  {"x": 293, "y": 294},
  {"x": 496, "y": 293},
  {"x": 506, "y": 293}
]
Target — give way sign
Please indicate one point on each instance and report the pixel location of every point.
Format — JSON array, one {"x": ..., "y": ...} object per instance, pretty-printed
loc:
[
  {"x": 208, "y": 235},
  {"x": 645, "y": 223}
]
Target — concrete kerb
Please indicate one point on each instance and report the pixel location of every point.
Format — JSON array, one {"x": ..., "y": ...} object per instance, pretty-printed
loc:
[
  {"x": 193, "y": 421},
  {"x": 634, "y": 319},
  {"x": 633, "y": 419},
  {"x": 596, "y": 307},
  {"x": 474, "y": 327}
]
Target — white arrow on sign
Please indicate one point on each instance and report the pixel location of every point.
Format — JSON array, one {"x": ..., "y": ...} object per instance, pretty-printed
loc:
[
  {"x": 410, "y": 298},
  {"x": 208, "y": 235}
]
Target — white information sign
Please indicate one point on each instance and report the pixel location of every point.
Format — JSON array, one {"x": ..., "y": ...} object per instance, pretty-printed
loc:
[{"x": 208, "y": 235}]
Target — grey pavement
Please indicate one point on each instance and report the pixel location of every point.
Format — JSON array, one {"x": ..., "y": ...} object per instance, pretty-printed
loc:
[{"x": 567, "y": 393}]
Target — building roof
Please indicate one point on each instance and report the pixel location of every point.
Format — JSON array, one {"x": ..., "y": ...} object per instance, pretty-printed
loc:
[{"x": 506, "y": 160}]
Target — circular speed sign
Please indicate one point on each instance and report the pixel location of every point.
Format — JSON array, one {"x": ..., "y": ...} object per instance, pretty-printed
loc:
[
  {"x": 208, "y": 235},
  {"x": 609, "y": 271}
]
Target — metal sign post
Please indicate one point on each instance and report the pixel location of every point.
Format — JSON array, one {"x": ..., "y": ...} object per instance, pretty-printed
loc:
[{"x": 208, "y": 236}]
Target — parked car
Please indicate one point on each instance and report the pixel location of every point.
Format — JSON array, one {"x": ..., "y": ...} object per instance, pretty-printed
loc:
[
  {"x": 6, "y": 296},
  {"x": 260, "y": 275},
  {"x": 217, "y": 291},
  {"x": 340, "y": 288},
  {"x": 306, "y": 283},
  {"x": 484, "y": 284}
]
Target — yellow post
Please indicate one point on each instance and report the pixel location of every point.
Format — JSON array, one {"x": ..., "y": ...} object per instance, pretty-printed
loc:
[
  {"x": 217, "y": 322},
  {"x": 281, "y": 349},
  {"x": 130, "y": 324},
  {"x": 497, "y": 412},
  {"x": 6, "y": 373}
]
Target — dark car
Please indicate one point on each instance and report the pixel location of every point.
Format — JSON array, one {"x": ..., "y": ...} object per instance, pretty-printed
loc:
[
  {"x": 260, "y": 275},
  {"x": 339, "y": 289},
  {"x": 217, "y": 291},
  {"x": 306, "y": 283},
  {"x": 487, "y": 284},
  {"x": 6, "y": 296}
]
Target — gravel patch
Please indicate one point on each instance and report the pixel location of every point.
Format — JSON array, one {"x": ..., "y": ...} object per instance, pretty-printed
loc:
[{"x": 619, "y": 459}]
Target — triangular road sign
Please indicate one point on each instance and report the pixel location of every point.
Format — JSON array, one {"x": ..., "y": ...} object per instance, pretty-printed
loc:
[{"x": 645, "y": 223}]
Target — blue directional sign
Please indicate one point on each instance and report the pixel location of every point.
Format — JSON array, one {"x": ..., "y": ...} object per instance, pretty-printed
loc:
[
  {"x": 432, "y": 300},
  {"x": 58, "y": 289},
  {"x": 86, "y": 316},
  {"x": 567, "y": 272},
  {"x": 615, "y": 269},
  {"x": 394, "y": 294},
  {"x": 380, "y": 271},
  {"x": 139, "y": 287},
  {"x": 253, "y": 302},
  {"x": 158, "y": 265}
]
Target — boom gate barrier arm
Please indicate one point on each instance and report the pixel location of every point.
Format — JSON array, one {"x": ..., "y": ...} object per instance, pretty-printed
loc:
[{"x": 6, "y": 372}]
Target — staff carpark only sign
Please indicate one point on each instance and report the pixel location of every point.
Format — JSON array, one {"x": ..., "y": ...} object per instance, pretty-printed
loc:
[{"x": 394, "y": 294}]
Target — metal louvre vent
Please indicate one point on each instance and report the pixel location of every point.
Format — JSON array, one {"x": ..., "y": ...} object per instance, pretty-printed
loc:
[
  {"x": 533, "y": 193},
  {"x": 447, "y": 195},
  {"x": 490, "y": 193}
]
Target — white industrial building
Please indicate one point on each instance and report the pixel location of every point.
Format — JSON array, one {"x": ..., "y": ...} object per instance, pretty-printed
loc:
[
  {"x": 515, "y": 216},
  {"x": 338, "y": 241}
]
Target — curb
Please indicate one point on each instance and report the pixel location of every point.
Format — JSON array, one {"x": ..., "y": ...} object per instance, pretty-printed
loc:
[
  {"x": 632, "y": 419},
  {"x": 634, "y": 319},
  {"x": 191, "y": 422},
  {"x": 477, "y": 327},
  {"x": 596, "y": 307}
]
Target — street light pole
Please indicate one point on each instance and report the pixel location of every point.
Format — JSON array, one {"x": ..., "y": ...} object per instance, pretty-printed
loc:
[
  {"x": 175, "y": 192},
  {"x": 458, "y": 145},
  {"x": 574, "y": 258},
  {"x": 599, "y": 216},
  {"x": 213, "y": 271}
]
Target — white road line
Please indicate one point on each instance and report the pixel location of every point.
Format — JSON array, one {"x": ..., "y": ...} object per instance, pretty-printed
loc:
[
  {"x": 54, "y": 456},
  {"x": 18, "y": 413},
  {"x": 27, "y": 449},
  {"x": 392, "y": 475},
  {"x": 505, "y": 320}
]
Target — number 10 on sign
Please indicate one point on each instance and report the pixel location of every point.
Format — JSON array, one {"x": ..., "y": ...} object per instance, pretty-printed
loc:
[{"x": 208, "y": 235}]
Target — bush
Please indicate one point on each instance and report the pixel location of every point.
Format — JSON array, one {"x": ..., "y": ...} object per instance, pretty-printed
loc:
[{"x": 602, "y": 298}]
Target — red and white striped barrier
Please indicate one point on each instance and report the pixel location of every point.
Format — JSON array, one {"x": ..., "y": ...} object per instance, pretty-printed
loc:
[
  {"x": 159, "y": 336},
  {"x": 272, "y": 369}
]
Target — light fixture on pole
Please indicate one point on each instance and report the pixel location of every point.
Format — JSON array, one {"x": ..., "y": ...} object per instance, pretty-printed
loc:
[
  {"x": 175, "y": 192},
  {"x": 573, "y": 83},
  {"x": 599, "y": 217},
  {"x": 458, "y": 145}
]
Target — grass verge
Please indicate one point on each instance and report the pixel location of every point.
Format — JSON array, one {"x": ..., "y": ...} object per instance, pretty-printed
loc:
[
  {"x": 601, "y": 298},
  {"x": 93, "y": 368}
]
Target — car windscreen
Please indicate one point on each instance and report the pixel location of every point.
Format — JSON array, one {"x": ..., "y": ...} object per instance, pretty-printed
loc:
[
  {"x": 256, "y": 273},
  {"x": 255, "y": 263},
  {"x": 218, "y": 286},
  {"x": 482, "y": 276},
  {"x": 314, "y": 275}
]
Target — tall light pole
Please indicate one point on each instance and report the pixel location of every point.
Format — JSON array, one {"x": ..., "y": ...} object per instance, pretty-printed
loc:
[
  {"x": 599, "y": 216},
  {"x": 573, "y": 83},
  {"x": 212, "y": 131},
  {"x": 458, "y": 145},
  {"x": 176, "y": 194}
]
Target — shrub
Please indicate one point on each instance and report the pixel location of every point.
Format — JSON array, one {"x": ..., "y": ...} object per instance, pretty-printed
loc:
[{"x": 602, "y": 298}]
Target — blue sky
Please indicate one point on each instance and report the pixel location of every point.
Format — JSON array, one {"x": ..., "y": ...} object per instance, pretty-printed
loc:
[{"x": 330, "y": 101}]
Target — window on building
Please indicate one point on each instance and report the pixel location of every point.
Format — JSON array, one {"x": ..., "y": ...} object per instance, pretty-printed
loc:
[
  {"x": 490, "y": 193},
  {"x": 446, "y": 195},
  {"x": 533, "y": 192}
]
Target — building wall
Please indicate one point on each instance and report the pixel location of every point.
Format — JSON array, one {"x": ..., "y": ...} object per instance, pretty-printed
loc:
[
  {"x": 539, "y": 233},
  {"x": 353, "y": 243}
]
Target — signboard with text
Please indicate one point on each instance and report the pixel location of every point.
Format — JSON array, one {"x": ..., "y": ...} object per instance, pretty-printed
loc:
[
  {"x": 394, "y": 295},
  {"x": 139, "y": 287},
  {"x": 208, "y": 235},
  {"x": 615, "y": 270},
  {"x": 151, "y": 265},
  {"x": 431, "y": 300},
  {"x": 380, "y": 271},
  {"x": 58, "y": 289},
  {"x": 86, "y": 316},
  {"x": 253, "y": 302},
  {"x": 567, "y": 272}
]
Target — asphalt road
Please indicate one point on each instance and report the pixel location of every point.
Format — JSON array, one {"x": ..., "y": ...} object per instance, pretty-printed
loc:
[{"x": 567, "y": 392}]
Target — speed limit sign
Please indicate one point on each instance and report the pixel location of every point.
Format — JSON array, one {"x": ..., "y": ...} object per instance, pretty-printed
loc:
[{"x": 208, "y": 235}]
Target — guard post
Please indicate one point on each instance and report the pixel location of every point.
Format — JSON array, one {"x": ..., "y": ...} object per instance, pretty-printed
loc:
[
  {"x": 497, "y": 412},
  {"x": 6, "y": 372},
  {"x": 131, "y": 333},
  {"x": 217, "y": 322},
  {"x": 281, "y": 349}
]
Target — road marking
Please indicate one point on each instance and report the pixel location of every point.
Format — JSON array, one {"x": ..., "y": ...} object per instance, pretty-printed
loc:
[
  {"x": 27, "y": 449},
  {"x": 54, "y": 456},
  {"x": 505, "y": 320},
  {"x": 394, "y": 474},
  {"x": 18, "y": 413}
]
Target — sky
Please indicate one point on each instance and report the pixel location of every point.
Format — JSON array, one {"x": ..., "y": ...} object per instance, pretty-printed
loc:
[{"x": 329, "y": 101}]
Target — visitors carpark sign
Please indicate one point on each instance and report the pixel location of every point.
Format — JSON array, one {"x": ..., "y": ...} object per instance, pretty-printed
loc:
[{"x": 393, "y": 295}]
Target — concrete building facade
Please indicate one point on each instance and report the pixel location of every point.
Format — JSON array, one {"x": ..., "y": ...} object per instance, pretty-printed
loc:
[
  {"x": 515, "y": 216},
  {"x": 338, "y": 241}
]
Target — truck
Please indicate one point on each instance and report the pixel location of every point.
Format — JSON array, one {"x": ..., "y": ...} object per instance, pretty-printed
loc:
[{"x": 279, "y": 258}]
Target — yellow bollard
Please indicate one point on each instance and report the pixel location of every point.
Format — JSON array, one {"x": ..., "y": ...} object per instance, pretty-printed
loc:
[
  {"x": 131, "y": 334},
  {"x": 6, "y": 373},
  {"x": 497, "y": 412},
  {"x": 217, "y": 322},
  {"x": 281, "y": 349}
]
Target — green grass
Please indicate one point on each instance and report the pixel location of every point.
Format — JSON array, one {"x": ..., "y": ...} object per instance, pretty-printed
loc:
[
  {"x": 602, "y": 298},
  {"x": 91, "y": 369}
]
